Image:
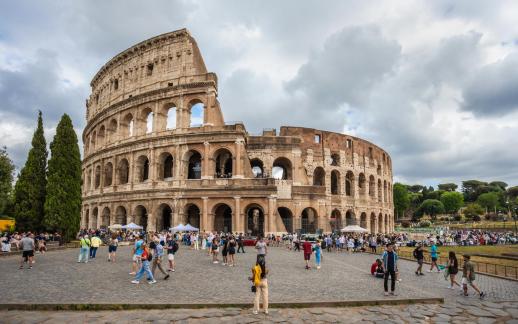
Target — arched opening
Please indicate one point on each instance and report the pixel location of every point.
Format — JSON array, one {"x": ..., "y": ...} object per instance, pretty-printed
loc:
[
  {"x": 387, "y": 227},
  {"x": 193, "y": 215},
  {"x": 108, "y": 174},
  {"x": 95, "y": 213},
  {"x": 335, "y": 159},
  {"x": 281, "y": 169},
  {"x": 93, "y": 140},
  {"x": 363, "y": 220},
  {"x": 378, "y": 170},
  {"x": 97, "y": 176},
  {"x": 361, "y": 184},
  {"x": 309, "y": 220},
  {"x": 120, "y": 215},
  {"x": 165, "y": 166},
  {"x": 372, "y": 186},
  {"x": 123, "y": 171},
  {"x": 164, "y": 218},
  {"x": 193, "y": 165},
  {"x": 380, "y": 197},
  {"x": 223, "y": 218},
  {"x": 149, "y": 116},
  {"x": 287, "y": 218},
  {"x": 380, "y": 223},
  {"x": 385, "y": 190},
  {"x": 335, "y": 182},
  {"x": 373, "y": 223},
  {"x": 112, "y": 130},
  {"x": 196, "y": 113},
  {"x": 255, "y": 220},
  {"x": 141, "y": 216},
  {"x": 127, "y": 126},
  {"x": 319, "y": 177},
  {"x": 223, "y": 164},
  {"x": 100, "y": 136},
  {"x": 171, "y": 118},
  {"x": 257, "y": 168},
  {"x": 349, "y": 184},
  {"x": 105, "y": 218},
  {"x": 336, "y": 220},
  {"x": 87, "y": 219},
  {"x": 142, "y": 168},
  {"x": 349, "y": 218}
]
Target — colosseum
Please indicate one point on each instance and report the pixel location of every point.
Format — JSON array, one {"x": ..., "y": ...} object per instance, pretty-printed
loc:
[{"x": 158, "y": 152}]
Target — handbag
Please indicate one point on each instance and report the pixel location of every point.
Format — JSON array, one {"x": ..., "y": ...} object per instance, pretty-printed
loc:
[{"x": 254, "y": 288}]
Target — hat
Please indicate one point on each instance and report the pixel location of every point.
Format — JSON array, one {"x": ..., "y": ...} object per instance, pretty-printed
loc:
[{"x": 467, "y": 256}]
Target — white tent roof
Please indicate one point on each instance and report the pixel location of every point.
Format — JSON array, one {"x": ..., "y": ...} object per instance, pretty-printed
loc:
[
  {"x": 191, "y": 228},
  {"x": 132, "y": 226},
  {"x": 354, "y": 229},
  {"x": 115, "y": 226},
  {"x": 178, "y": 228}
]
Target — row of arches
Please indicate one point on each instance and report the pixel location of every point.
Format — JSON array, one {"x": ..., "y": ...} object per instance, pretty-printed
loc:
[{"x": 146, "y": 121}]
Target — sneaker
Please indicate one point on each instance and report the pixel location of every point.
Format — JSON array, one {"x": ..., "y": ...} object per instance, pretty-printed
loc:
[
  {"x": 132, "y": 273},
  {"x": 172, "y": 270},
  {"x": 482, "y": 295},
  {"x": 152, "y": 282},
  {"x": 429, "y": 270},
  {"x": 224, "y": 263},
  {"x": 393, "y": 293},
  {"x": 215, "y": 262},
  {"x": 421, "y": 274},
  {"x": 30, "y": 267},
  {"x": 386, "y": 293},
  {"x": 450, "y": 287},
  {"x": 255, "y": 312},
  {"x": 135, "y": 282},
  {"x": 166, "y": 277},
  {"x": 416, "y": 273},
  {"x": 266, "y": 312}
]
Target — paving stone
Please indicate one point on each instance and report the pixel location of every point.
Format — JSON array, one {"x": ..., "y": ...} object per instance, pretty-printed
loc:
[
  {"x": 486, "y": 320},
  {"x": 478, "y": 311}
]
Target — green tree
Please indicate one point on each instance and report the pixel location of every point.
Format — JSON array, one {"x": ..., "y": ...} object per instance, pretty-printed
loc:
[
  {"x": 415, "y": 188},
  {"x": 488, "y": 200},
  {"x": 452, "y": 201},
  {"x": 472, "y": 189},
  {"x": 448, "y": 186},
  {"x": 6, "y": 180},
  {"x": 512, "y": 192},
  {"x": 401, "y": 199},
  {"x": 473, "y": 210},
  {"x": 430, "y": 207},
  {"x": 498, "y": 184},
  {"x": 63, "y": 204},
  {"x": 29, "y": 191}
]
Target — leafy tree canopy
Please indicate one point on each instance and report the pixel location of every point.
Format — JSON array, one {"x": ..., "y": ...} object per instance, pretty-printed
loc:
[{"x": 448, "y": 186}]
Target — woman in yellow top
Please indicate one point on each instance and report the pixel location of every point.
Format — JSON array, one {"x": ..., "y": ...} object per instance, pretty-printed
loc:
[{"x": 259, "y": 273}]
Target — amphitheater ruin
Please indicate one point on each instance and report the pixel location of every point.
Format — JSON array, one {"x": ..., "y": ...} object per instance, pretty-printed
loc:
[{"x": 158, "y": 152}]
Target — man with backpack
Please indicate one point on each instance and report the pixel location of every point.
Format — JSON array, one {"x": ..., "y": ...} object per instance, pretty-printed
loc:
[
  {"x": 390, "y": 265},
  {"x": 157, "y": 261},
  {"x": 84, "y": 244},
  {"x": 146, "y": 258},
  {"x": 172, "y": 248},
  {"x": 419, "y": 256},
  {"x": 240, "y": 244}
]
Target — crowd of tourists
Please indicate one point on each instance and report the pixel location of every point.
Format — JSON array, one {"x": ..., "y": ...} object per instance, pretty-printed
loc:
[
  {"x": 13, "y": 241},
  {"x": 473, "y": 237}
]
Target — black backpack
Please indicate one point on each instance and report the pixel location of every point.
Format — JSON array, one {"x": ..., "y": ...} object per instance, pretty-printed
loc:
[{"x": 175, "y": 247}]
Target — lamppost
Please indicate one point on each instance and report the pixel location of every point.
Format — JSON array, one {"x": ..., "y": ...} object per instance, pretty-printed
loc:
[{"x": 515, "y": 218}]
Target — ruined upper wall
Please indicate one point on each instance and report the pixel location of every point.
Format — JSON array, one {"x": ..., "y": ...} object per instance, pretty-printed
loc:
[{"x": 165, "y": 60}]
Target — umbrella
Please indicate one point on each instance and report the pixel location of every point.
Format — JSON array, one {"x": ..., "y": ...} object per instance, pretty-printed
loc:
[
  {"x": 191, "y": 228},
  {"x": 132, "y": 226},
  {"x": 354, "y": 229},
  {"x": 115, "y": 226},
  {"x": 178, "y": 228}
]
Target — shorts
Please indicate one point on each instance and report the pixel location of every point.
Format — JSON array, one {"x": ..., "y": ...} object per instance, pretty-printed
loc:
[
  {"x": 216, "y": 250},
  {"x": 465, "y": 281},
  {"x": 434, "y": 259},
  {"x": 170, "y": 257},
  {"x": 27, "y": 254},
  {"x": 112, "y": 248},
  {"x": 136, "y": 258},
  {"x": 307, "y": 256},
  {"x": 420, "y": 261}
]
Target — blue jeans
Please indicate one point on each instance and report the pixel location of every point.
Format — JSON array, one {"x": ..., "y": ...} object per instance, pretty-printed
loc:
[
  {"x": 93, "y": 252},
  {"x": 83, "y": 254},
  {"x": 145, "y": 268}
]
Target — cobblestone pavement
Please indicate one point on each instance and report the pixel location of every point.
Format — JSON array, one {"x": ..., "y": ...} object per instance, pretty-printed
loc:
[{"x": 470, "y": 311}]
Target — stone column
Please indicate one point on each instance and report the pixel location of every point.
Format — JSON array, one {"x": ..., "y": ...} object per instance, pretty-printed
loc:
[
  {"x": 175, "y": 213},
  {"x": 297, "y": 170},
  {"x": 236, "y": 223},
  {"x": 272, "y": 202},
  {"x": 205, "y": 168},
  {"x": 238, "y": 172},
  {"x": 151, "y": 222},
  {"x": 204, "y": 219}
]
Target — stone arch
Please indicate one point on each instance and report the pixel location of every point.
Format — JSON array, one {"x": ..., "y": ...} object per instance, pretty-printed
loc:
[
  {"x": 387, "y": 227},
  {"x": 373, "y": 223},
  {"x": 363, "y": 220},
  {"x": 385, "y": 190},
  {"x": 127, "y": 126},
  {"x": 336, "y": 220},
  {"x": 86, "y": 220},
  {"x": 95, "y": 214},
  {"x": 381, "y": 229},
  {"x": 335, "y": 182},
  {"x": 97, "y": 176},
  {"x": 193, "y": 164},
  {"x": 168, "y": 117},
  {"x": 335, "y": 159},
  {"x": 319, "y": 177},
  {"x": 105, "y": 217},
  {"x": 141, "y": 216},
  {"x": 108, "y": 174},
  {"x": 362, "y": 184},
  {"x": 121, "y": 216},
  {"x": 257, "y": 168},
  {"x": 309, "y": 220},
  {"x": 164, "y": 217},
  {"x": 222, "y": 218},
  {"x": 192, "y": 215},
  {"x": 101, "y": 136},
  {"x": 146, "y": 121},
  {"x": 93, "y": 141},
  {"x": 349, "y": 184},
  {"x": 223, "y": 163},
  {"x": 196, "y": 113},
  {"x": 372, "y": 186},
  {"x": 378, "y": 170},
  {"x": 165, "y": 166},
  {"x": 254, "y": 219},
  {"x": 112, "y": 130},
  {"x": 380, "y": 196},
  {"x": 123, "y": 172},
  {"x": 142, "y": 168},
  {"x": 282, "y": 169},
  {"x": 287, "y": 218},
  {"x": 350, "y": 218}
]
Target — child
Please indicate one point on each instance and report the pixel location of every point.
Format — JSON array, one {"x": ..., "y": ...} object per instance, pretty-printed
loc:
[{"x": 318, "y": 254}]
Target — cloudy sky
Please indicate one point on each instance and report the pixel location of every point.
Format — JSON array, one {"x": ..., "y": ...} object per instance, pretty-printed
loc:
[{"x": 433, "y": 82}]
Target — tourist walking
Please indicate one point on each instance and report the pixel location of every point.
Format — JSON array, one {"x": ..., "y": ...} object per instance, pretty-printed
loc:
[
  {"x": 112, "y": 248},
  {"x": 260, "y": 286},
  {"x": 318, "y": 254},
  {"x": 468, "y": 277},
  {"x": 172, "y": 248},
  {"x": 157, "y": 260},
  {"x": 224, "y": 249},
  {"x": 453, "y": 269},
  {"x": 28, "y": 246},
  {"x": 215, "y": 250},
  {"x": 262, "y": 250},
  {"x": 137, "y": 253},
  {"x": 231, "y": 252},
  {"x": 84, "y": 250},
  {"x": 390, "y": 265},
  {"x": 240, "y": 244},
  {"x": 419, "y": 256},
  {"x": 434, "y": 256},
  {"x": 307, "y": 248},
  {"x": 145, "y": 257},
  {"x": 95, "y": 244},
  {"x": 196, "y": 238}
]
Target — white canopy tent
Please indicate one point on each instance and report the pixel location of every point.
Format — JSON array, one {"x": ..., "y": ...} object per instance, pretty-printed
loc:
[
  {"x": 178, "y": 228},
  {"x": 354, "y": 229},
  {"x": 190, "y": 228},
  {"x": 115, "y": 226},
  {"x": 132, "y": 226}
]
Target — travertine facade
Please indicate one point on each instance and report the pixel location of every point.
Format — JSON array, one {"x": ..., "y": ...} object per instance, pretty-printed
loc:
[{"x": 149, "y": 160}]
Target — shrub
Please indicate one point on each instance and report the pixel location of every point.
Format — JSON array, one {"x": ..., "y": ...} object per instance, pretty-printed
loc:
[
  {"x": 457, "y": 217},
  {"x": 476, "y": 218},
  {"x": 425, "y": 224},
  {"x": 405, "y": 224}
]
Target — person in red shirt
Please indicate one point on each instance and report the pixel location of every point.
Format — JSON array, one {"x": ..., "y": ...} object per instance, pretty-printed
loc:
[{"x": 306, "y": 246}]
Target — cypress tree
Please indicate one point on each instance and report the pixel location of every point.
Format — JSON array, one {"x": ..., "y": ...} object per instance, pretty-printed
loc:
[
  {"x": 63, "y": 204},
  {"x": 30, "y": 189}
]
